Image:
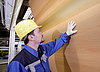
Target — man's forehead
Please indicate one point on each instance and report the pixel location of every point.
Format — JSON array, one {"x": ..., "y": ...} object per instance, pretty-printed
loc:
[{"x": 36, "y": 29}]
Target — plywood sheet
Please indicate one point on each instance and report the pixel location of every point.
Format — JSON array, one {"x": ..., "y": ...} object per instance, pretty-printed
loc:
[{"x": 83, "y": 52}]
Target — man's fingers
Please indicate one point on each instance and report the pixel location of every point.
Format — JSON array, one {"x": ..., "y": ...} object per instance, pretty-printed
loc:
[
  {"x": 75, "y": 31},
  {"x": 74, "y": 26},
  {"x": 71, "y": 23},
  {"x": 71, "y": 26}
]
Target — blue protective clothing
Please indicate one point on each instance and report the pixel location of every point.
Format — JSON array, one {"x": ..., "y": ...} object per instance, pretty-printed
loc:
[{"x": 30, "y": 60}]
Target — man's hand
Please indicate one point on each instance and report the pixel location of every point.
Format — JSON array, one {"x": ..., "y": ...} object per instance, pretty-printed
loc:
[{"x": 71, "y": 26}]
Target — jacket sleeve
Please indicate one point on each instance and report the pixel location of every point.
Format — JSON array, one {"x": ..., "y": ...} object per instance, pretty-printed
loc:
[
  {"x": 53, "y": 46},
  {"x": 15, "y": 66}
]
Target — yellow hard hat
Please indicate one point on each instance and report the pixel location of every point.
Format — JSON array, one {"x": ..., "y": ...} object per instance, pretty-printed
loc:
[{"x": 24, "y": 27}]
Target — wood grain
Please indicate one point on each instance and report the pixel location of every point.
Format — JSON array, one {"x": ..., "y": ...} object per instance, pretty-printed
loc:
[{"x": 83, "y": 52}]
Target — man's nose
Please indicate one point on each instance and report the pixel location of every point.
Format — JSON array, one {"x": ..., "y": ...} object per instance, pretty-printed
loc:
[{"x": 41, "y": 33}]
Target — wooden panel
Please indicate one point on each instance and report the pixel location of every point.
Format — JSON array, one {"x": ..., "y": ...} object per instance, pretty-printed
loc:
[{"x": 82, "y": 53}]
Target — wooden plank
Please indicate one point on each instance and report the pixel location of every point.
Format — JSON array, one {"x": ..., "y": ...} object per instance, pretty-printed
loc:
[
  {"x": 84, "y": 48},
  {"x": 82, "y": 53}
]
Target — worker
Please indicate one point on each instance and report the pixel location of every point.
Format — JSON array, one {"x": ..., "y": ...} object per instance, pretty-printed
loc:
[{"x": 34, "y": 56}]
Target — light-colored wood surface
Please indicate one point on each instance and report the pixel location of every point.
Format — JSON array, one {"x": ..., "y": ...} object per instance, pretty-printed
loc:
[{"x": 83, "y": 52}]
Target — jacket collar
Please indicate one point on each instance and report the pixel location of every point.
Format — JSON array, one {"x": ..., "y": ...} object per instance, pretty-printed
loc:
[{"x": 31, "y": 50}]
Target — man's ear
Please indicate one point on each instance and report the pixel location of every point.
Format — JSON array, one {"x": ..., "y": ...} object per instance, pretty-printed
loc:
[{"x": 31, "y": 37}]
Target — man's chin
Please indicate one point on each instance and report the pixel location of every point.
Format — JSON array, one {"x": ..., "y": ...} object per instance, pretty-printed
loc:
[{"x": 41, "y": 41}]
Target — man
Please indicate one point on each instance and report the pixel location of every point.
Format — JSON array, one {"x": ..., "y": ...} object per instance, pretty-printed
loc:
[{"x": 34, "y": 56}]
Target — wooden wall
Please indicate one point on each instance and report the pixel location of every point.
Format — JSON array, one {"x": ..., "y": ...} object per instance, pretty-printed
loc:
[{"x": 82, "y": 54}]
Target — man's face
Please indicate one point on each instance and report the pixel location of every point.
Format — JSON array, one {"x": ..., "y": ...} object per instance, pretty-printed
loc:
[{"x": 38, "y": 35}]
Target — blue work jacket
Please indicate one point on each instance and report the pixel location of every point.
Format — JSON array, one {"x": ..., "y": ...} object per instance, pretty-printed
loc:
[{"x": 30, "y": 60}]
